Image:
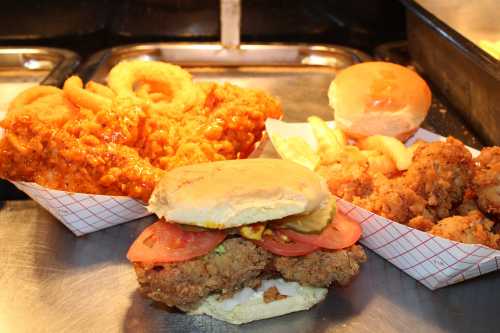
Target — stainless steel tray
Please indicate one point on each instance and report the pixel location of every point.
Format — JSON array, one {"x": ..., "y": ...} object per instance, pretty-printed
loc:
[
  {"x": 41, "y": 65},
  {"x": 21, "y": 68},
  {"x": 438, "y": 38},
  {"x": 53, "y": 281}
]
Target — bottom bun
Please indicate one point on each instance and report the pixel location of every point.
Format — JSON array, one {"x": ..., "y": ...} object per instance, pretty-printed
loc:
[{"x": 248, "y": 304}]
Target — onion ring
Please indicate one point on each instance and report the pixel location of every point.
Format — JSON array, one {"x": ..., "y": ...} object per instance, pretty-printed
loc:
[
  {"x": 73, "y": 90},
  {"x": 100, "y": 89},
  {"x": 30, "y": 95},
  {"x": 174, "y": 82}
]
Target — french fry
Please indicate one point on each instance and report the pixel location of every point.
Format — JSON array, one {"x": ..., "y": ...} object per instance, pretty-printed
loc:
[
  {"x": 340, "y": 135},
  {"x": 379, "y": 163},
  {"x": 297, "y": 150},
  {"x": 330, "y": 142},
  {"x": 390, "y": 147}
]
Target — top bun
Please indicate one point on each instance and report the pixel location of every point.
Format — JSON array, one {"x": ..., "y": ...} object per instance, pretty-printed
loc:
[
  {"x": 228, "y": 194},
  {"x": 379, "y": 98}
]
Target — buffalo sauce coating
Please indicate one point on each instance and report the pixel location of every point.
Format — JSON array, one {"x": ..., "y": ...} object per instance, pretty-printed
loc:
[{"x": 123, "y": 150}]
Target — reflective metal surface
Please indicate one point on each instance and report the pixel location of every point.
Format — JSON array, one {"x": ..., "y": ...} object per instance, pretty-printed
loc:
[
  {"x": 53, "y": 281},
  {"x": 43, "y": 65},
  {"x": 475, "y": 20},
  {"x": 468, "y": 76}
]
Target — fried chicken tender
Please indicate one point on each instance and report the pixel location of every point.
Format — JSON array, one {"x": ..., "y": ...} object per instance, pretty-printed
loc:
[
  {"x": 471, "y": 229},
  {"x": 102, "y": 141},
  {"x": 348, "y": 175},
  {"x": 392, "y": 199},
  {"x": 352, "y": 178},
  {"x": 440, "y": 173},
  {"x": 486, "y": 181}
]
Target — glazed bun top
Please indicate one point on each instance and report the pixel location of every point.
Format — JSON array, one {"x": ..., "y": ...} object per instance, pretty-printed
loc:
[
  {"x": 228, "y": 194},
  {"x": 379, "y": 98}
]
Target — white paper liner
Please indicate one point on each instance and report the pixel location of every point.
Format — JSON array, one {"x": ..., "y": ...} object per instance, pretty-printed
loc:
[
  {"x": 85, "y": 213},
  {"x": 434, "y": 261}
]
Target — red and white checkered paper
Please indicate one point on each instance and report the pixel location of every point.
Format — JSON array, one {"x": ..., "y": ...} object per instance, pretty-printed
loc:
[
  {"x": 433, "y": 261},
  {"x": 85, "y": 213}
]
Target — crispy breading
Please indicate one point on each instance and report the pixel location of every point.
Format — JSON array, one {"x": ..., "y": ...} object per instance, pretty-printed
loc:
[
  {"x": 440, "y": 173},
  {"x": 185, "y": 283},
  {"x": 486, "y": 181},
  {"x": 392, "y": 199},
  {"x": 243, "y": 264},
  {"x": 321, "y": 268},
  {"x": 421, "y": 223},
  {"x": 474, "y": 228}
]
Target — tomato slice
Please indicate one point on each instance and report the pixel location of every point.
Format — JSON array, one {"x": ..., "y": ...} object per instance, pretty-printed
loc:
[
  {"x": 168, "y": 242},
  {"x": 342, "y": 232},
  {"x": 277, "y": 246}
]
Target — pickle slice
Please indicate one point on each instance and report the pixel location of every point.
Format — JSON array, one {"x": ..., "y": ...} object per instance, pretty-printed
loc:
[{"x": 314, "y": 222}]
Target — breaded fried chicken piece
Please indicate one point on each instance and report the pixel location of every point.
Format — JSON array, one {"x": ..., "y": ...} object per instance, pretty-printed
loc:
[
  {"x": 392, "y": 199},
  {"x": 421, "y": 223},
  {"x": 486, "y": 181},
  {"x": 440, "y": 173},
  {"x": 242, "y": 264},
  {"x": 185, "y": 283},
  {"x": 348, "y": 174},
  {"x": 474, "y": 228},
  {"x": 320, "y": 268}
]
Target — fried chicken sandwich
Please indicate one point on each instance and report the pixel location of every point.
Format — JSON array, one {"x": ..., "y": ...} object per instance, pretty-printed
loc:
[{"x": 244, "y": 240}]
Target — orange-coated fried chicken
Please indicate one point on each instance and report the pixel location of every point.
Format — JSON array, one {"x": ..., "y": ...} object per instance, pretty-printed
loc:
[
  {"x": 486, "y": 181},
  {"x": 96, "y": 141}
]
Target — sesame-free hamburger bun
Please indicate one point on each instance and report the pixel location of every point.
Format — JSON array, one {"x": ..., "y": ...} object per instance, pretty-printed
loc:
[
  {"x": 227, "y": 194},
  {"x": 379, "y": 98}
]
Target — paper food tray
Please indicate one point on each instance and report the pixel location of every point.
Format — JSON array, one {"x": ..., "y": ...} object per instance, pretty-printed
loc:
[
  {"x": 433, "y": 261},
  {"x": 84, "y": 213}
]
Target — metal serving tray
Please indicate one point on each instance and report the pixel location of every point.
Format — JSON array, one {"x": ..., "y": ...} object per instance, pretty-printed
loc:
[
  {"x": 442, "y": 37},
  {"x": 53, "y": 281},
  {"x": 42, "y": 65}
]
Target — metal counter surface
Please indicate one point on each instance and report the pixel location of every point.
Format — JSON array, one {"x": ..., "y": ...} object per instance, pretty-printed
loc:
[{"x": 53, "y": 281}]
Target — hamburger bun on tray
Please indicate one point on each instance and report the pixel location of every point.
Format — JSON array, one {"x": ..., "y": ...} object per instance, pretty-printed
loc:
[
  {"x": 228, "y": 194},
  {"x": 379, "y": 98},
  {"x": 244, "y": 240}
]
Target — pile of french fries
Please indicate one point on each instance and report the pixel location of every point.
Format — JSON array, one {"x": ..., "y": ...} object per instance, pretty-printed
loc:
[{"x": 385, "y": 154}]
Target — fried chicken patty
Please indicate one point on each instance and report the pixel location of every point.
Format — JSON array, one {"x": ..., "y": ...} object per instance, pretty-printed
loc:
[
  {"x": 184, "y": 283},
  {"x": 242, "y": 264},
  {"x": 321, "y": 268}
]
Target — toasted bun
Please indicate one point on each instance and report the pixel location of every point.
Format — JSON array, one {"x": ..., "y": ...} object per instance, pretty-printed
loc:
[
  {"x": 253, "y": 307},
  {"x": 228, "y": 194},
  {"x": 379, "y": 98}
]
